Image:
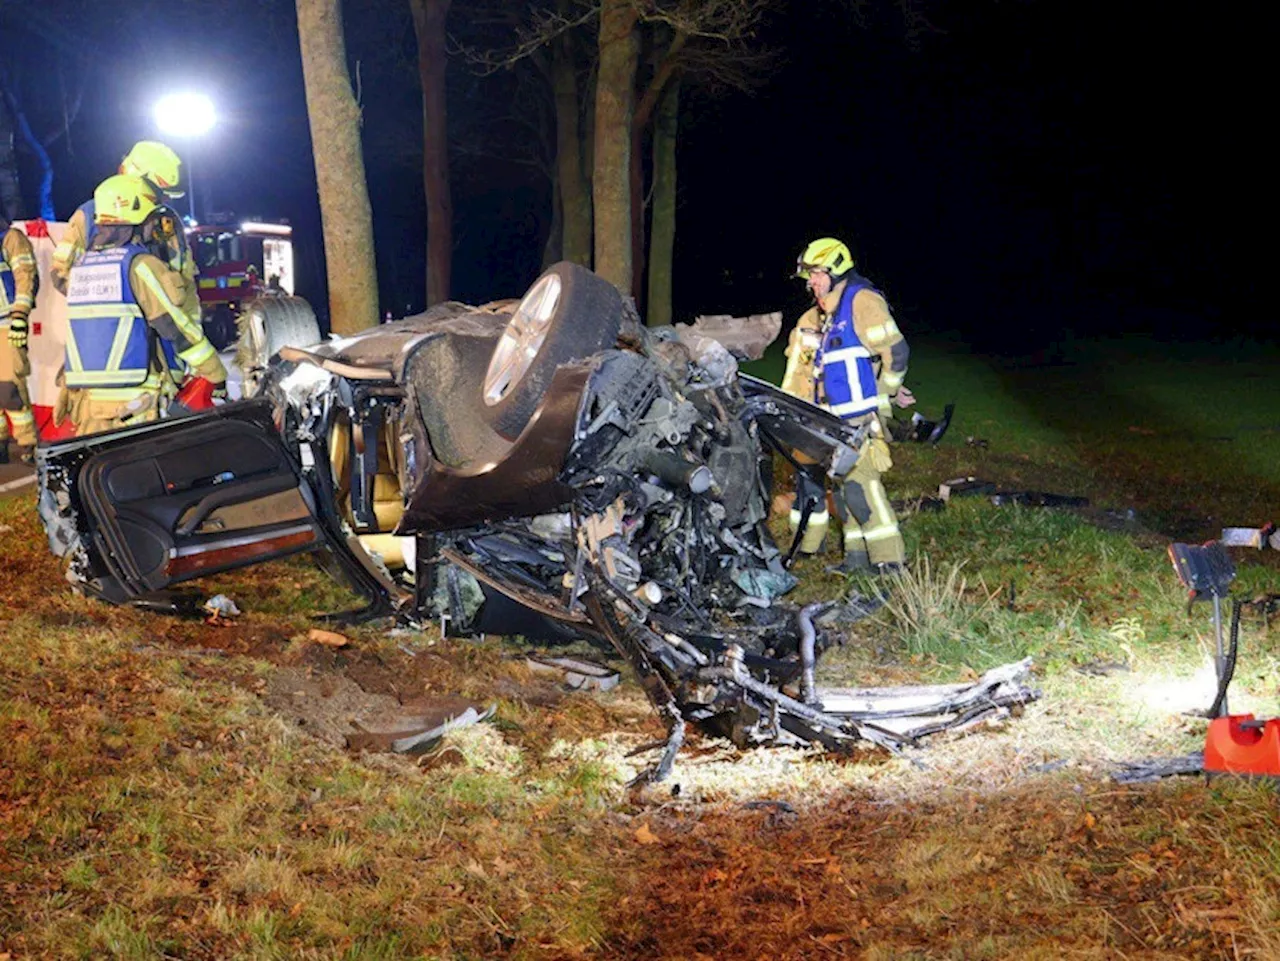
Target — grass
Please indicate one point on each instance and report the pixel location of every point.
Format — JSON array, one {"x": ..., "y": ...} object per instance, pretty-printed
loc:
[{"x": 159, "y": 799}]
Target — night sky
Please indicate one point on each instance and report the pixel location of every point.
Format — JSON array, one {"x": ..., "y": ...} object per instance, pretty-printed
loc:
[{"x": 1026, "y": 169}]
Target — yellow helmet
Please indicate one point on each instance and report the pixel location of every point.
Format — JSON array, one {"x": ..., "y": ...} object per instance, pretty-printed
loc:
[
  {"x": 825, "y": 253},
  {"x": 123, "y": 200},
  {"x": 154, "y": 162}
]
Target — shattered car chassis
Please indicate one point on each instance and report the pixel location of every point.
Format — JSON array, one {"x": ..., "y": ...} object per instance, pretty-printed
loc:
[{"x": 551, "y": 470}]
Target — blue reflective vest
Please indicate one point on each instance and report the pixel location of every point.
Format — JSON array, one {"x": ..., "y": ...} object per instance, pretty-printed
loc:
[
  {"x": 8, "y": 288},
  {"x": 109, "y": 342},
  {"x": 843, "y": 371}
]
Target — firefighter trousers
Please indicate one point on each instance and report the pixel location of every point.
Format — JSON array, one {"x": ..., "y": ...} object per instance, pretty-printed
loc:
[
  {"x": 93, "y": 411},
  {"x": 869, "y": 524},
  {"x": 15, "y": 400}
]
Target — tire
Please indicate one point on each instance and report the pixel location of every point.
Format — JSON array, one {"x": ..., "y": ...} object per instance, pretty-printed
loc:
[
  {"x": 576, "y": 313},
  {"x": 268, "y": 324},
  {"x": 220, "y": 327}
]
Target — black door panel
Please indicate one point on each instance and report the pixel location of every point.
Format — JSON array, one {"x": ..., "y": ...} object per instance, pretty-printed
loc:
[{"x": 196, "y": 496}]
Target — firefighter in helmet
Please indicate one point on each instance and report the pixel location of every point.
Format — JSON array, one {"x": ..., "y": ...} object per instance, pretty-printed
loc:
[
  {"x": 847, "y": 355},
  {"x": 161, "y": 170},
  {"x": 19, "y": 281},
  {"x": 129, "y": 339}
]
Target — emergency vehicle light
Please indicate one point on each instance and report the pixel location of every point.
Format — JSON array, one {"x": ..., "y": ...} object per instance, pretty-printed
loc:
[{"x": 251, "y": 226}]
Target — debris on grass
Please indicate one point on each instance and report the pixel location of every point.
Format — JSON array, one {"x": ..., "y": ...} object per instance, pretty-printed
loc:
[
  {"x": 328, "y": 638},
  {"x": 220, "y": 606},
  {"x": 576, "y": 672}
]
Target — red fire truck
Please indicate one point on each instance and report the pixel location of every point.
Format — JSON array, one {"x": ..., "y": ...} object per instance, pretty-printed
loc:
[{"x": 239, "y": 261}]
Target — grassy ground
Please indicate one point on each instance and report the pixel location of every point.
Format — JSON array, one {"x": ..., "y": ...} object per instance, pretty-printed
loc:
[{"x": 178, "y": 789}]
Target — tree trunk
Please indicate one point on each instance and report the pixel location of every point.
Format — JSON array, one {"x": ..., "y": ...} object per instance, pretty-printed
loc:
[
  {"x": 574, "y": 188},
  {"x": 429, "y": 18},
  {"x": 662, "y": 236},
  {"x": 553, "y": 249},
  {"x": 615, "y": 101},
  {"x": 335, "y": 143},
  {"x": 662, "y": 75}
]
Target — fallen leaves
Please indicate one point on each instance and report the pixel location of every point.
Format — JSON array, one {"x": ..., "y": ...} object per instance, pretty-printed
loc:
[
  {"x": 644, "y": 835},
  {"x": 328, "y": 638}
]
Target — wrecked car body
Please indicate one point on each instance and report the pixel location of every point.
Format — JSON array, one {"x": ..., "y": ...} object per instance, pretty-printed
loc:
[{"x": 547, "y": 468}]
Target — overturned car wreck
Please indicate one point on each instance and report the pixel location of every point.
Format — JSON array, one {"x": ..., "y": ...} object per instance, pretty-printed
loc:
[{"x": 545, "y": 468}]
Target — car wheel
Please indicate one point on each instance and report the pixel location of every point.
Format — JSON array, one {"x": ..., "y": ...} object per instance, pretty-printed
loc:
[
  {"x": 220, "y": 327},
  {"x": 268, "y": 324},
  {"x": 568, "y": 314}
]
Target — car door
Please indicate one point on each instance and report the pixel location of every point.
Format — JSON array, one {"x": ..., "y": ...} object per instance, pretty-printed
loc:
[{"x": 167, "y": 502}]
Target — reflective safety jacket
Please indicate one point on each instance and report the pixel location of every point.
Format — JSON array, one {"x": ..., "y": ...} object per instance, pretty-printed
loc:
[
  {"x": 109, "y": 342},
  {"x": 8, "y": 289},
  {"x": 844, "y": 375},
  {"x": 18, "y": 276}
]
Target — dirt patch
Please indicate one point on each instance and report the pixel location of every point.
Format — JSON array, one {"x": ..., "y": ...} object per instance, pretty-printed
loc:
[{"x": 324, "y": 705}]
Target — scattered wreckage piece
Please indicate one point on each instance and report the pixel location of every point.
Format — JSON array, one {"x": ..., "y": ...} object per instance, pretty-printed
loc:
[
  {"x": 746, "y": 338},
  {"x": 417, "y": 727},
  {"x": 973, "y": 487},
  {"x": 920, "y": 430},
  {"x": 1256, "y": 537},
  {"x": 575, "y": 672},
  {"x": 1157, "y": 768},
  {"x": 919, "y": 711}
]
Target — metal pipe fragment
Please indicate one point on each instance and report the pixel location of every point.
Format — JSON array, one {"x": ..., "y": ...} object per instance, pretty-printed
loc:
[
  {"x": 678, "y": 471},
  {"x": 808, "y": 656}
]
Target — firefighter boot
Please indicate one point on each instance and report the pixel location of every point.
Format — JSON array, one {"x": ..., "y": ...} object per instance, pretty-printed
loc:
[{"x": 856, "y": 559}]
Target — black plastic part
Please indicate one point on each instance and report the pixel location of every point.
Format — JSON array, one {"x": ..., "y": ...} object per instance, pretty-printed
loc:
[{"x": 1205, "y": 570}]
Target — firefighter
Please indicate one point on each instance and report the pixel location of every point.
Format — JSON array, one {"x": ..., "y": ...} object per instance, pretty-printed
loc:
[
  {"x": 128, "y": 335},
  {"x": 847, "y": 355},
  {"x": 19, "y": 281},
  {"x": 159, "y": 167}
]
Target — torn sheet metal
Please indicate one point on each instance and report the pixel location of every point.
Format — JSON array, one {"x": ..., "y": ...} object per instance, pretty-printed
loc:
[
  {"x": 417, "y": 727},
  {"x": 576, "y": 672},
  {"x": 1255, "y": 537},
  {"x": 1156, "y": 768},
  {"x": 917, "y": 711},
  {"x": 744, "y": 337}
]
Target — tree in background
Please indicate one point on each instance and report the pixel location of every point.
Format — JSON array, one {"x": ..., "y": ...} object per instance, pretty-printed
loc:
[
  {"x": 345, "y": 215},
  {"x": 429, "y": 19}
]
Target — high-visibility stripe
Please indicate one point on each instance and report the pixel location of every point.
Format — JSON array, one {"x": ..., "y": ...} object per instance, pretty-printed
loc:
[
  {"x": 73, "y": 353},
  {"x": 112, "y": 378},
  {"x": 93, "y": 311},
  {"x": 150, "y": 386},
  {"x": 880, "y": 533},
  {"x": 817, "y": 517},
  {"x": 206, "y": 284},
  {"x": 124, "y": 330},
  {"x": 20, "y": 417},
  {"x": 844, "y": 353},
  {"x": 852, "y": 537},
  {"x": 190, "y": 328},
  {"x": 197, "y": 355},
  {"x": 853, "y": 408},
  {"x": 892, "y": 378}
]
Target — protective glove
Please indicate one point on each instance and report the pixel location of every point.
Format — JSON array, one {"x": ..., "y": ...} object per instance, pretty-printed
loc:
[
  {"x": 220, "y": 392},
  {"x": 18, "y": 330}
]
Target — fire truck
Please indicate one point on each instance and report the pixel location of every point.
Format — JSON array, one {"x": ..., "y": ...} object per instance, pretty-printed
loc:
[{"x": 239, "y": 262}]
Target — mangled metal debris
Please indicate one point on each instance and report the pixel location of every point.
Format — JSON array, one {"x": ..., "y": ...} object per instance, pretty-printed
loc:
[
  {"x": 1266, "y": 536},
  {"x": 915, "y": 712},
  {"x": 554, "y": 471},
  {"x": 575, "y": 672},
  {"x": 1000, "y": 497},
  {"x": 418, "y": 727}
]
